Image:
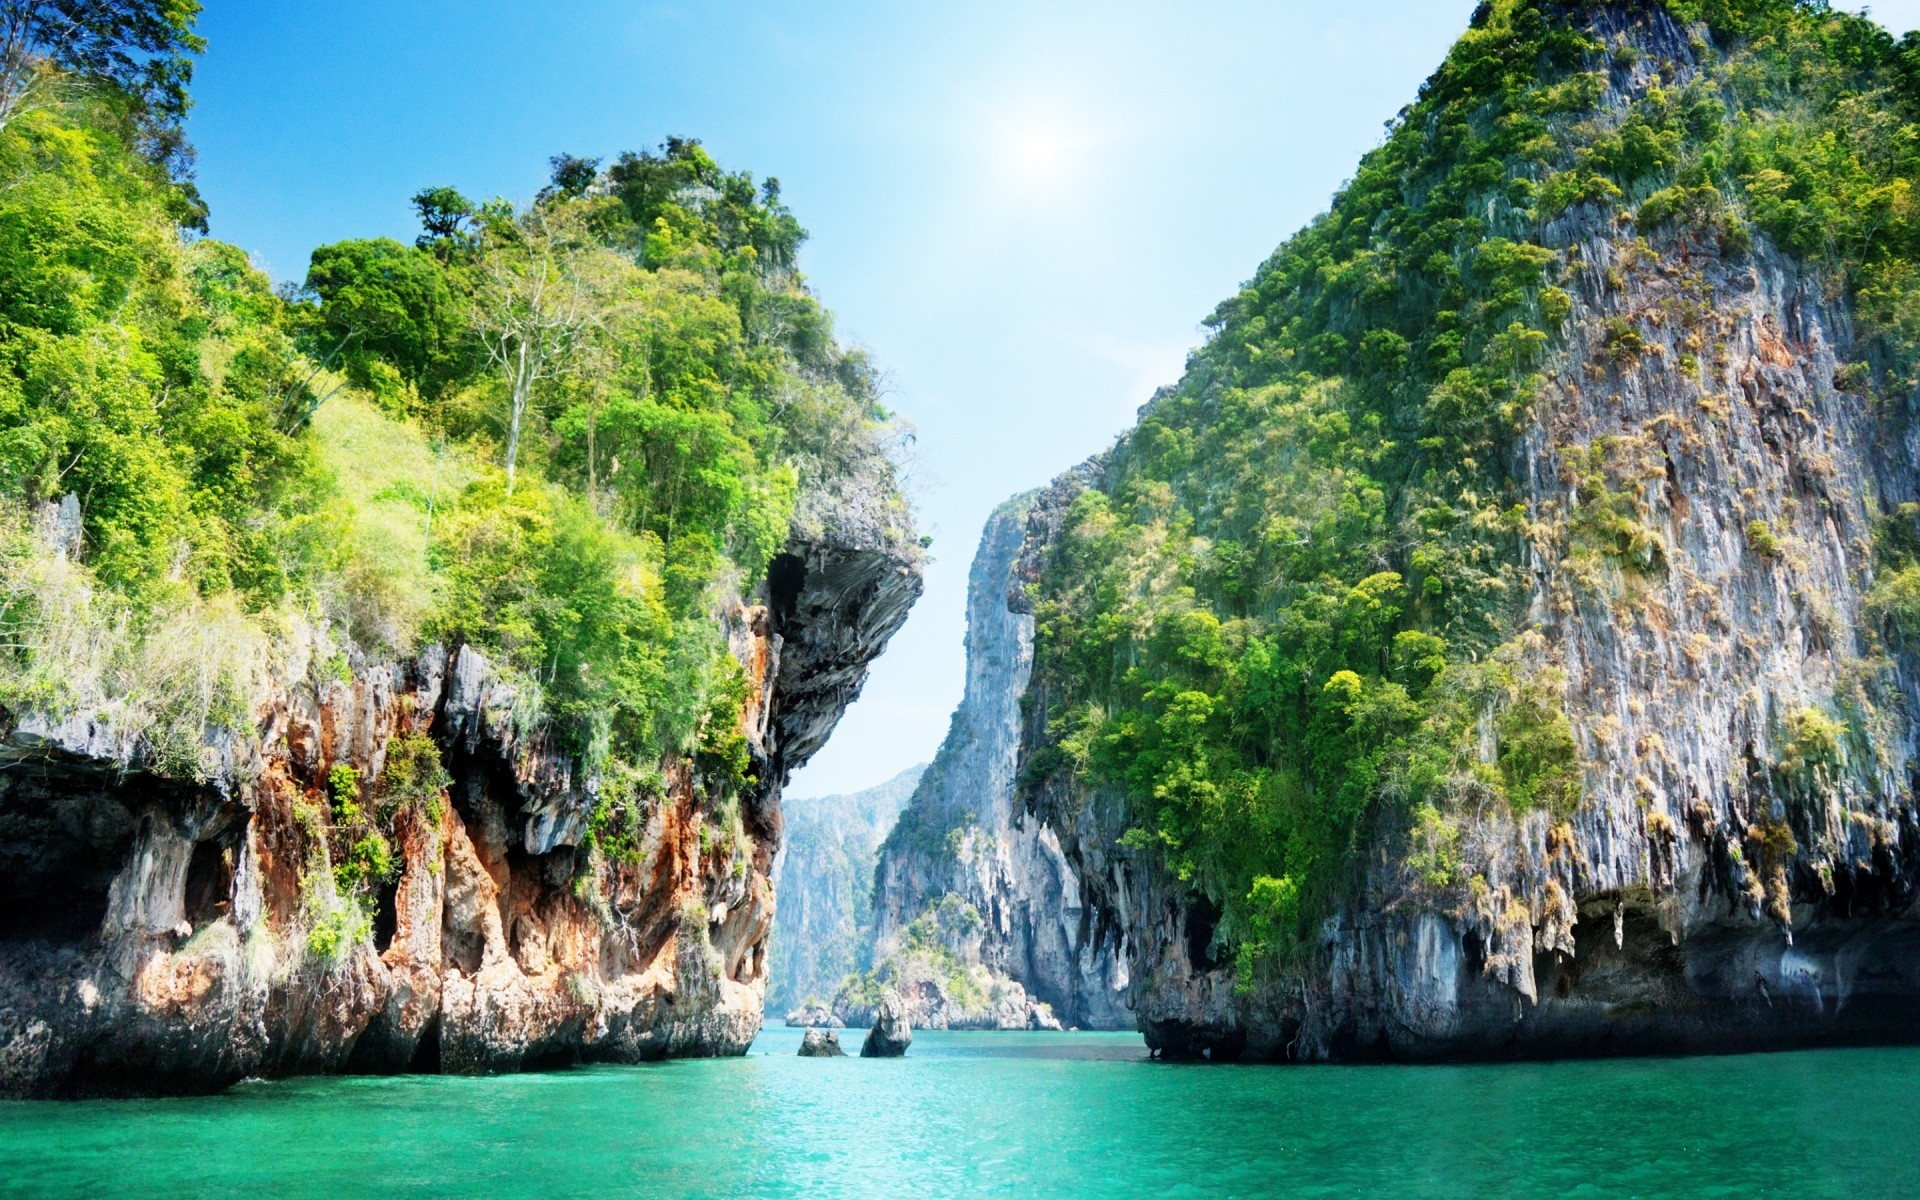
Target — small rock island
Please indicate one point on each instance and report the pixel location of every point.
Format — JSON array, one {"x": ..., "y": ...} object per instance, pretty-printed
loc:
[
  {"x": 890, "y": 1035},
  {"x": 821, "y": 1043}
]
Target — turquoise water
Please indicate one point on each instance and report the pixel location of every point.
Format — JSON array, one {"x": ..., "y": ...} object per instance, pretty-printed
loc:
[{"x": 1010, "y": 1115}]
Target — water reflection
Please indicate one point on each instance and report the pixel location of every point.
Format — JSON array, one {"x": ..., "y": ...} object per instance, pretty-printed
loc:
[{"x": 939, "y": 1044}]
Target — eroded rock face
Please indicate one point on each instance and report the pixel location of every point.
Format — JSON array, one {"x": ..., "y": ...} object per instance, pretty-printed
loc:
[
  {"x": 936, "y": 995},
  {"x": 821, "y": 1043},
  {"x": 159, "y": 935},
  {"x": 1714, "y": 890},
  {"x": 891, "y": 1034},
  {"x": 964, "y": 836},
  {"x": 814, "y": 1015}
]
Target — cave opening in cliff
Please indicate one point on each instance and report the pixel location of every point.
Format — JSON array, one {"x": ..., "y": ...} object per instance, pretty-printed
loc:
[
  {"x": 1474, "y": 947},
  {"x": 786, "y": 576},
  {"x": 1352, "y": 1044},
  {"x": 1872, "y": 888},
  {"x": 57, "y": 913},
  {"x": 1203, "y": 917},
  {"x": 386, "y": 916},
  {"x": 65, "y": 841},
  {"x": 426, "y": 1053},
  {"x": 209, "y": 882},
  {"x": 558, "y": 1058}
]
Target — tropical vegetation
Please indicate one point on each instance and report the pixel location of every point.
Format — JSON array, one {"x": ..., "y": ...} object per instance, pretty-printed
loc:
[
  {"x": 1290, "y": 611},
  {"x": 563, "y": 432}
]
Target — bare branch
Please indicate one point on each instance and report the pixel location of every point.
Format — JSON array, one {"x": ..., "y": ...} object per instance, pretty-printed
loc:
[{"x": 535, "y": 307}]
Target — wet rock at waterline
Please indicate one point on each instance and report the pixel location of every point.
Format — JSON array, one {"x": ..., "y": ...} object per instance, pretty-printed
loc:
[
  {"x": 821, "y": 1043},
  {"x": 890, "y": 1035}
]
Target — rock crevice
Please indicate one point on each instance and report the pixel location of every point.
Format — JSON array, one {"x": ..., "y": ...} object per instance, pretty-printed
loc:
[{"x": 966, "y": 867}]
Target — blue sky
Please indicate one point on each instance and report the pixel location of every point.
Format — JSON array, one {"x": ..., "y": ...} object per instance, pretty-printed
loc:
[{"x": 1022, "y": 210}]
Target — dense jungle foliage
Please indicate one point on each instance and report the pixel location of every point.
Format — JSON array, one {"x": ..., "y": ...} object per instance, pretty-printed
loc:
[
  {"x": 1289, "y": 611},
  {"x": 563, "y": 432}
]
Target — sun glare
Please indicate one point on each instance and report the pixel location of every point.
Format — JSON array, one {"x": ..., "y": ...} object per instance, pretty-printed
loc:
[{"x": 1041, "y": 155}]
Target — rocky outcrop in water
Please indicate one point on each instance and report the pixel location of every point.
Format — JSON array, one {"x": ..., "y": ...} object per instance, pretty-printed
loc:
[
  {"x": 936, "y": 971},
  {"x": 823, "y": 931},
  {"x": 965, "y": 1001},
  {"x": 813, "y": 1015},
  {"x": 1742, "y": 869},
  {"x": 891, "y": 1034},
  {"x": 821, "y": 1043},
  {"x": 161, "y": 932},
  {"x": 964, "y": 846}
]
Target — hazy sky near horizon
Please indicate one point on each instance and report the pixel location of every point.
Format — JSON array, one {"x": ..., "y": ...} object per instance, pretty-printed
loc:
[{"x": 1022, "y": 210}]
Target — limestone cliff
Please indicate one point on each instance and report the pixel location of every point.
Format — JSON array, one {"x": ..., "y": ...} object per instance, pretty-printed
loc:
[
  {"x": 824, "y": 876},
  {"x": 1705, "y": 483},
  {"x": 177, "y": 930},
  {"x": 963, "y": 837}
]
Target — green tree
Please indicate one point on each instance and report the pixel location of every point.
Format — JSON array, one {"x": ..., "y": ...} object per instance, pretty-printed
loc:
[
  {"x": 446, "y": 217},
  {"x": 141, "y": 48},
  {"x": 385, "y": 304},
  {"x": 572, "y": 176},
  {"x": 682, "y": 193},
  {"x": 142, "y": 374},
  {"x": 541, "y": 288}
]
